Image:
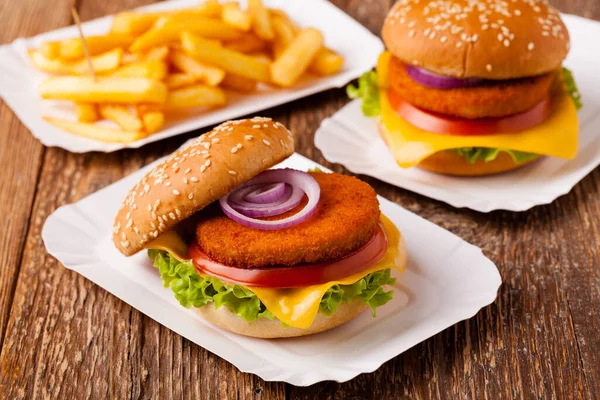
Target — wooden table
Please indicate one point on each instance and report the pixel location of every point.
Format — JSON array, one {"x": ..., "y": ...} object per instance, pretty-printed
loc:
[{"x": 62, "y": 336}]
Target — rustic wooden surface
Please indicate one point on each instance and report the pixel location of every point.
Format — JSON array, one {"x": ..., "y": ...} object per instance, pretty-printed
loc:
[{"x": 61, "y": 336}]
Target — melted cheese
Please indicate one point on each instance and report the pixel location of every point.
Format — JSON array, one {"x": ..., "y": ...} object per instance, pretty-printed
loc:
[
  {"x": 298, "y": 307},
  {"x": 556, "y": 136}
]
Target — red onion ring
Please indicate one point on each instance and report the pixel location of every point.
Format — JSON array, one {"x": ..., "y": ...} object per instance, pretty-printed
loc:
[
  {"x": 432, "y": 80},
  {"x": 266, "y": 194},
  {"x": 291, "y": 198},
  {"x": 296, "y": 183}
]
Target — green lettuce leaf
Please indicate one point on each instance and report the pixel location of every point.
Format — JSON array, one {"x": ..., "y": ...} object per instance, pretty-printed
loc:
[
  {"x": 368, "y": 91},
  {"x": 472, "y": 154},
  {"x": 572, "y": 88},
  {"x": 191, "y": 289}
]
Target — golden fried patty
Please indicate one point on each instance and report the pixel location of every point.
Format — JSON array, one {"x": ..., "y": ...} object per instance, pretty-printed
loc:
[
  {"x": 346, "y": 218},
  {"x": 488, "y": 100}
]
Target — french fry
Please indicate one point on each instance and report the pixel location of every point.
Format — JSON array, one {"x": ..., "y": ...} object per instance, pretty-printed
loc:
[
  {"x": 133, "y": 23},
  {"x": 171, "y": 29},
  {"x": 72, "y": 49},
  {"x": 157, "y": 70},
  {"x": 195, "y": 96},
  {"x": 326, "y": 62},
  {"x": 95, "y": 131},
  {"x": 157, "y": 53},
  {"x": 50, "y": 50},
  {"x": 86, "y": 112},
  {"x": 260, "y": 20},
  {"x": 136, "y": 23},
  {"x": 129, "y": 58},
  {"x": 249, "y": 43},
  {"x": 233, "y": 16},
  {"x": 284, "y": 34},
  {"x": 209, "y": 74},
  {"x": 238, "y": 83},
  {"x": 153, "y": 121},
  {"x": 296, "y": 58},
  {"x": 104, "y": 90},
  {"x": 179, "y": 80},
  {"x": 228, "y": 60},
  {"x": 121, "y": 115},
  {"x": 102, "y": 63}
]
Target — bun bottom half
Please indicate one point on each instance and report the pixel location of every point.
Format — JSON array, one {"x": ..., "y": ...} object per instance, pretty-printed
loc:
[
  {"x": 450, "y": 163},
  {"x": 272, "y": 329}
]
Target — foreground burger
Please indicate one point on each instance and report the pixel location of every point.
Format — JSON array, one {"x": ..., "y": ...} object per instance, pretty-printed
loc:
[
  {"x": 261, "y": 252},
  {"x": 473, "y": 87}
]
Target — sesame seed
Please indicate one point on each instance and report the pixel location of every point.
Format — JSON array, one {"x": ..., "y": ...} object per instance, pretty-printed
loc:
[
  {"x": 125, "y": 243},
  {"x": 530, "y": 46},
  {"x": 149, "y": 207},
  {"x": 176, "y": 192},
  {"x": 191, "y": 196},
  {"x": 207, "y": 146},
  {"x": 234, "y": 149},
  {"x": 185, "y": 180},
  {"x": 518, "y": 13},
  {"x": 256, "y": 126},
  {"x": 167, "y": 184},
  {"x": 239, "y": 145},
  {"x": 474, "y": 38},
  {"x": 545, "y": 33},
  {"x": 172, "y": 215},
  {"x": 193, "y": 179},
  {"x": 443, "y": 39},
  {"x": 207, "y": 163},
  {"x": 203, "y": 168},
  {"x": 153, "y": 215},
  {"x": 485, "y": 27},
  {"x": 488, "y": 67},
  {"x": 152, "y": 225},
  {"x": 411, "y": 33},
  {"x": 506, "y": 43},
  {"x": 459, "y": 44},
  {"x": 123, "y": 235},
  {"x": 248, "y": 137},
  {"x": 216, "y": 140},
  {"x": 265, "y": 141},
  {"x": 232, "y": 172},
  {"x": 206, "y": 156},
  {"x": 178, "y": 212},
  {"x": 500, "y": 37},
  {"x": 265, "y": 126},
  {"x": 136, "y": 230}
]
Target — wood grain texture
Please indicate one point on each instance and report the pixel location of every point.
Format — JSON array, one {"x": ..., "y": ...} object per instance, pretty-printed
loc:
[{"x": 62, "y": 336}]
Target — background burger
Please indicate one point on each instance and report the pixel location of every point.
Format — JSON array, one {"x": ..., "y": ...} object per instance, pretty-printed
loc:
[
  {"x": 473, "y": 87},
  {"x": 262, "y": 252}
]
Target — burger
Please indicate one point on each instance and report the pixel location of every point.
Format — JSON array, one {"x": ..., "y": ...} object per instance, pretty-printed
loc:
[
  {"x": 262, "y": 252},
  {"x": 473, "y": 87}
]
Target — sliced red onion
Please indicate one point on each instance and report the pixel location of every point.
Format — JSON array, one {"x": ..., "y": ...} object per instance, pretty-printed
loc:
[
  {"x": 297, "y": 182},
  {"x": 266, "y": 194},
  {"x": 292, "y": 197},
  {"x": 432, "y": 80}
]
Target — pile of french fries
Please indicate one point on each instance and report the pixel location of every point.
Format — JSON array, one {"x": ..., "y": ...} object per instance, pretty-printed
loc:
[{"x": 152, "y": 66}]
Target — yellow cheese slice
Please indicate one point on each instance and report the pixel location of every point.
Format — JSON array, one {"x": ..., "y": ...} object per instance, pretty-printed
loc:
[
  {"x": 556, "y": 136},
  {"x": 298, "y": 307}
]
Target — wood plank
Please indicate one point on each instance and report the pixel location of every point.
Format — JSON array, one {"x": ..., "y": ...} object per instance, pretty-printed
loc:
[{"x": 20, "y": 154}]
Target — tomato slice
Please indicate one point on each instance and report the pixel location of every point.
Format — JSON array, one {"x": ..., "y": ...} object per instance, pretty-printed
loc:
[
  {"x": 438, "y": 123},
  {"x": 297, "y": 276}
]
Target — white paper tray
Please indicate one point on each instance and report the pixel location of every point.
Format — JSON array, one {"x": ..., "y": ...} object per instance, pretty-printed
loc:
[
  {"x": 19, "y": 80},
  {"x": 447, "y": 280},
  {"x": 351, "y": 139}
]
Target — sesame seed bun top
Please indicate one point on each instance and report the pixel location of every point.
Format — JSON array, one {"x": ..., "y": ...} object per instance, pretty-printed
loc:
[
  {"x": 197, "y": 175},
  {"x": 491, "y": 39}
]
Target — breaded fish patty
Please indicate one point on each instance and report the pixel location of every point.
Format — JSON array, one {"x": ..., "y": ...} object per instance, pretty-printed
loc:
[
  {"x": 488, "y": 100},
  {"x": 346, "y": 218}
]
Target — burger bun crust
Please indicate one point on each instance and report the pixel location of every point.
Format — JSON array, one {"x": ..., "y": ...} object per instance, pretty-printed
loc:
[{"x": 489, "y": 40}]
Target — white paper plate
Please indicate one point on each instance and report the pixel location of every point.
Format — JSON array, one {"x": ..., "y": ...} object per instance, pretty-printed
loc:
[
  {"x": 19, "y": 80},
  {"x": 351, "y": 139},
  {"x": 447, "y": 280}
]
